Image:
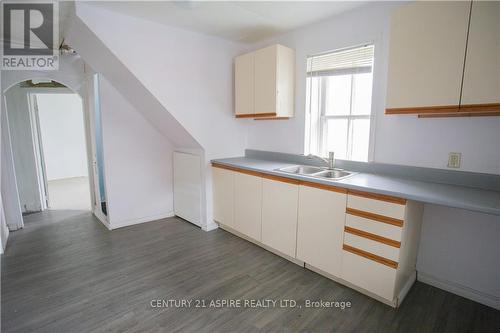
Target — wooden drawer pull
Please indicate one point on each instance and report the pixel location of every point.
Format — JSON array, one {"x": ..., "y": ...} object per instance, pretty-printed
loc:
[
  {"x": 381, "y": 197},
  {"x": 371, "y": 256},
  {"x": 373, "y": 237},
  {"x": 375, "y": 217}
]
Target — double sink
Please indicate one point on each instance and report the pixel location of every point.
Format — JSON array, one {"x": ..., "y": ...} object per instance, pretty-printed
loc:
[{"x": 317, "y": 172}]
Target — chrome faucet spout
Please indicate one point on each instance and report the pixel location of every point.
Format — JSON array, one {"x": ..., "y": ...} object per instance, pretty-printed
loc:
[
  {"x": 328, "y": 162},
  {"x": 331, "y": 160}
]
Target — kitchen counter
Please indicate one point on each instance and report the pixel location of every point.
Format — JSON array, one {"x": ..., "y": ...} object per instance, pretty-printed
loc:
[{"x": 474, "y": 199}]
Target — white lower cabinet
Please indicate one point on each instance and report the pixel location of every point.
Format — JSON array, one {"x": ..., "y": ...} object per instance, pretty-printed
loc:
[
  {"x": 370, "y": 275},
  {"x": 367, "y": 241},
  {"x": 321, "y": 228},
  {"x": 223, "y": 196},
  {"x": 248, "y": 205},
  {"x": 279, "y": 215}
]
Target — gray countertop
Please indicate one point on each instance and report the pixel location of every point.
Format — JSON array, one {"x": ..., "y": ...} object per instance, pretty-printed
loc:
[{"x": 474, "y": 199}]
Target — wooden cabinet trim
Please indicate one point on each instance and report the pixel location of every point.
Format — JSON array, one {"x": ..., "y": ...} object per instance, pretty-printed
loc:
[
  {"x": 222, "y": 166},
  {"x": 461, "y": 114},
  {"x": 323, "y": 186},
  {"x": 256, "y": 115},
  {"x": 281, "y": 179},
  {"x": 489, "y": 107},
  {"x": 371, "y": 256},
  {"x": 423, "y": 109},
  {"x": 369, "y": 235},
  {"x": 248, "y": 172},
  {"x": 381, "y": 197},
  {"x": 272, "y": 118},
  {"x": 375, "y": 217},
  {"x": 466, "y": 110}
]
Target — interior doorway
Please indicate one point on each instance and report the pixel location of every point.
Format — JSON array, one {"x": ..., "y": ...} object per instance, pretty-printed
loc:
[
  {"x": 60, "y": 130},
  {"x": 53, "y": 140}
]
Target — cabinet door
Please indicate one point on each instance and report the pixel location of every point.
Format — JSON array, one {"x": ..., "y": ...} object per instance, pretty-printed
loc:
[
  {"x": 223, "y": 190},
  {"x": 265, "y": 80},
  {"x": 187, "y": 187},
  {"x": 426, "y": 54},
  {"x": 248, "y": 205},
  {"x": 279, "y": 215},
  {"x": 285, "y": 82},
  {"x": 244, "y": 84},
  {"x": 321, "y": 217},
  {"x": 482, "y": 63}
]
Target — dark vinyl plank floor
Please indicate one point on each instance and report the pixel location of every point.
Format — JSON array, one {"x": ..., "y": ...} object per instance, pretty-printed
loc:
[{"x": 65, "y": 272}]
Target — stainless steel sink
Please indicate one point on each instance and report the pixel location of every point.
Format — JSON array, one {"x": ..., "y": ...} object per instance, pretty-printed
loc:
[
  {"x": 302, "y": 169},
  {"x": 316, "y": 172},
  {"x": 333, "y": 174}
]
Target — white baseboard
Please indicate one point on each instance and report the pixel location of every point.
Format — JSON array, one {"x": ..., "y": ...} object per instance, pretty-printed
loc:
[
  {"x": 105, "y": 223},
  {"x": 406, "y": 288},
  {"x": 210, "y": 226},
  {"x": 458, "y": 289},
  {"x": 98, "y": 214},
  {"x": 5, "y": 236},
  {"x": 146, "y": 219}
]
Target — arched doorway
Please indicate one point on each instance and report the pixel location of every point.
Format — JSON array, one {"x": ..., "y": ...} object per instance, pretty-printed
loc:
[{"x": 51, "y": 149}]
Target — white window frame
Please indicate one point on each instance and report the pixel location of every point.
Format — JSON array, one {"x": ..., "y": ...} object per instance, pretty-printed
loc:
[{"x": 323, "y": 117}]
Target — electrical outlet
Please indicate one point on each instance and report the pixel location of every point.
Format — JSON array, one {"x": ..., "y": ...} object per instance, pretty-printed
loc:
[{"x": 454, "y": 160}]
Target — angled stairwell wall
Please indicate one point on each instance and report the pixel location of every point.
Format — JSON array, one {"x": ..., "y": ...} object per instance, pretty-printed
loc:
[{"x": 180, "y": 81}]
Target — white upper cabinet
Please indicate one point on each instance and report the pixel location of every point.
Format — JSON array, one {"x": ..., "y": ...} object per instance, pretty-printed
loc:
[
  {"x": 264, "y": 83},
  {"x": 244, "y": 85},
  {"x": 426, "y": 54},
  {"x": 482, "y": 62}
]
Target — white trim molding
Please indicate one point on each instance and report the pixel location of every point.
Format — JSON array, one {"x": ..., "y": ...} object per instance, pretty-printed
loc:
[
  {"x": 126, "y": 223},
  {"x": 210, "y": 226},
  {"x": 461, "y": 290}
]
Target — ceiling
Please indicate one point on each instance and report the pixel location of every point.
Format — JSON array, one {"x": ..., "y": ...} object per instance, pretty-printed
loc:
[{"x": 239, "y": 21}]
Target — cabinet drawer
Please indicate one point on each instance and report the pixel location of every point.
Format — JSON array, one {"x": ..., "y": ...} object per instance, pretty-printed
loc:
[
  {"x": 375, "y": 227},
  {"x": 376, "y": 206},
  {"x": 372, "y": 246},
  {"x": 370, "y": 275}
]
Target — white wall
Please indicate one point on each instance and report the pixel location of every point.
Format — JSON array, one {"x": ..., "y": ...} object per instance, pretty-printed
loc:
[
  {"x": 63, "y": 135},
  {"x": 398, "y": 139},
  {"x": 189, "y": 74},
  {"x": 137, "y": 161},
  {"x": 460, "y": 252}
]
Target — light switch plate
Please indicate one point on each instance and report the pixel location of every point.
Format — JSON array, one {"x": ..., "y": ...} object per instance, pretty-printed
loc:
[{"x": 454, "y": 160}]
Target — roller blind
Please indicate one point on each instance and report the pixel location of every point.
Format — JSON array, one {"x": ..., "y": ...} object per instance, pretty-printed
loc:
[{"x": 342, "y": 62}]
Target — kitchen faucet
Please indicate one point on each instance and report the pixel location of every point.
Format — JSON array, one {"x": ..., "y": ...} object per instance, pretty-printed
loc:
[{"x": 330, "y": 160}]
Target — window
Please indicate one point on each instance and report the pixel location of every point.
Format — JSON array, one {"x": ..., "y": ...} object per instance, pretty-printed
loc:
[{"x": 339, "y": 95}]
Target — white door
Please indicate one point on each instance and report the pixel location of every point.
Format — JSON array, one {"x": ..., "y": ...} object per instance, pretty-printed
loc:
[
  {"x": 38, "y": 148},
  {"x": 187, "y": 187}
]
